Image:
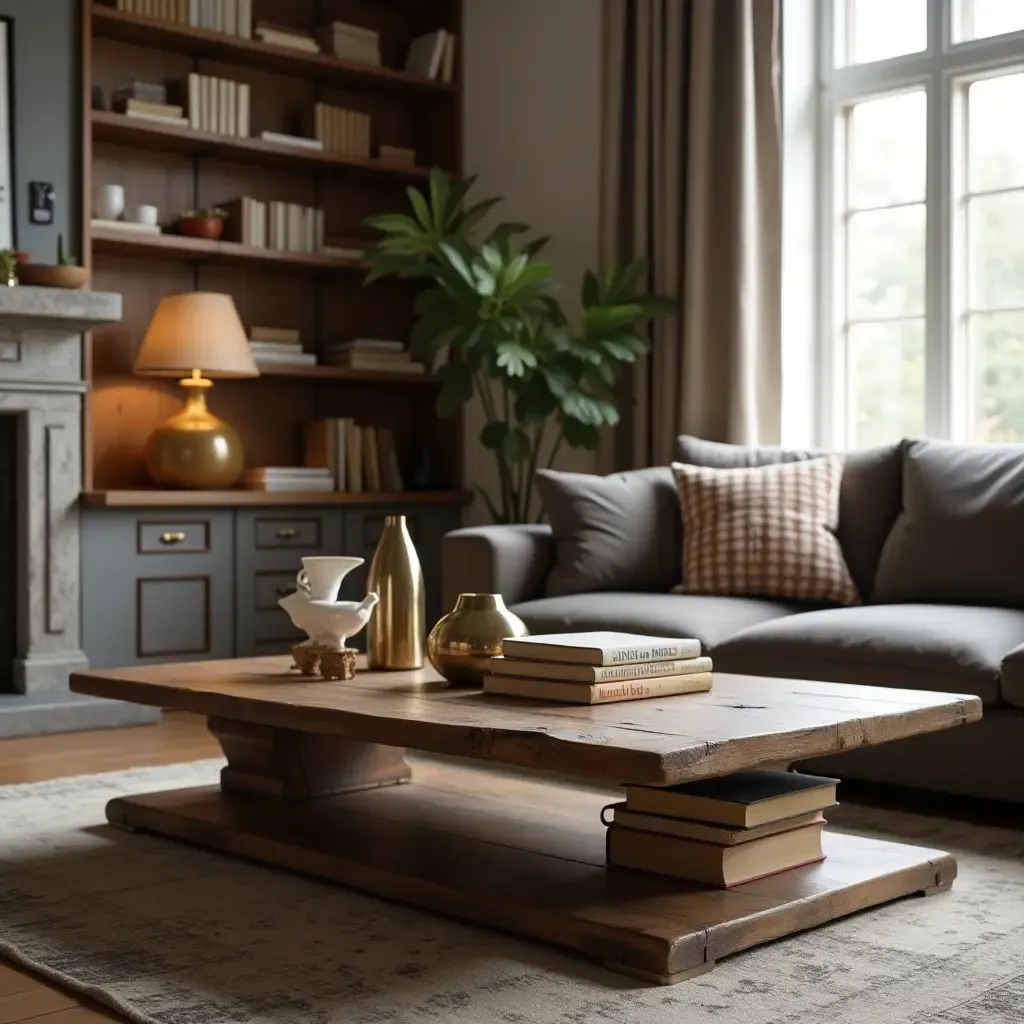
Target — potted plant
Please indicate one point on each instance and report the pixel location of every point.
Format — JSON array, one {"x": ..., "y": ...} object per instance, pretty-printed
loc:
[
  {"x": 543, "y": 380},
  {"x": 204, "y": 223}
]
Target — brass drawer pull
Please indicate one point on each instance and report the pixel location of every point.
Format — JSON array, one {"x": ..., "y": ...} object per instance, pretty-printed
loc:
[
  {"x": 287, "y": 532},
  {"x": 285, "y": 591},
  {"x": 172, "y": 538}
]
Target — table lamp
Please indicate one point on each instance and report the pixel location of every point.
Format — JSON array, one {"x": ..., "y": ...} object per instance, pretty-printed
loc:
[{"x": 195, "y": 333}]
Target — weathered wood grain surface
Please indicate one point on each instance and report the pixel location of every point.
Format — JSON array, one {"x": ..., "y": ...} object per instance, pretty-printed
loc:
[{"x": 741, "y": 722}]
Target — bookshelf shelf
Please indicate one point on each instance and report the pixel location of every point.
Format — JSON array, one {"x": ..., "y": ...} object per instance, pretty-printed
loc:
[
  {"x": 114, "y": 242},
  {"x": 240, "y": 498},
  {"x": 342, "y": 373},
  {"x": 109, "y": 23},
  {"x": 139, "y": 133}
]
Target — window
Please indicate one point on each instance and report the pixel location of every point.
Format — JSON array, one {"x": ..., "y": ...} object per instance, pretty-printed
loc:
[{"x": 920, "y": 172}]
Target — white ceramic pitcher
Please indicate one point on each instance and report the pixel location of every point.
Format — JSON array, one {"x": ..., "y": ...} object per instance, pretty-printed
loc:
[{"x": 320, "y": 576}]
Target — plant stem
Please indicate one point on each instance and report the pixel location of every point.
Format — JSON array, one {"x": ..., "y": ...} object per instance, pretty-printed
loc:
[
  {"x": 538, "y": 443},
  {"x": 508, "y": 496},
  {"x": 554, "y": 449}
]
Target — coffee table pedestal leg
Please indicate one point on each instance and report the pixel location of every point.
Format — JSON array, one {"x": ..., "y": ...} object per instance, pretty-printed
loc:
[{"x": 289, "y": 766}]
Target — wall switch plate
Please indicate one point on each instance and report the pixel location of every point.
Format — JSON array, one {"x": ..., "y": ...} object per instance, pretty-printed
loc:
[{"x": 40, "y": 202}]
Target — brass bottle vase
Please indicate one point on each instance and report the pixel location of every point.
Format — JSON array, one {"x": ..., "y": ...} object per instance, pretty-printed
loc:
[{"x": 397, "y": 627}]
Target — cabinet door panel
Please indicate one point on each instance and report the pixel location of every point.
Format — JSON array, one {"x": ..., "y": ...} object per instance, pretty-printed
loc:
[{"x": 144, "y": 602}]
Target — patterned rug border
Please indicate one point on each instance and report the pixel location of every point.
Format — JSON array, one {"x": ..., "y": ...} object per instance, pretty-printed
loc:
[{"x": 65, "y": 783}]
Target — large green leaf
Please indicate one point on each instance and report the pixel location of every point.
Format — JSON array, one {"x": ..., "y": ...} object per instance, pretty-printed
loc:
[
  {"x": 456, "y": 387},
  {"x": 439, "y": 191},
  {"x": 515, "y": 359},
  {"x": 458, "y": 263},
  {"x": 591, "y": 290},
  {"x": 580, "y": 435},
  {"x": 476, "y": 213},
  {"x": 421, "y": 209},
  {"x": 598, "y": 320},
  {"x": 493, "y": 435},
  {"x": 395, "y": 223},
  {"x": 457, "y": 192},
  {"x": 626, "y": 281},
  {"x": 516, "y": 445}
]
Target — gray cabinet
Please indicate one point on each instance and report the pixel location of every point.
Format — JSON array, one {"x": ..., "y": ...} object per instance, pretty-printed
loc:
[
  {"x": 269, "y": 547},
  {"x": 157, "y": 588},
  {"x": 204, "y": 583}
]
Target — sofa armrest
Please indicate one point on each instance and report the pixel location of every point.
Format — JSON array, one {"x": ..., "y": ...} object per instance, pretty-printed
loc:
[{"x": 512, "y": 560}]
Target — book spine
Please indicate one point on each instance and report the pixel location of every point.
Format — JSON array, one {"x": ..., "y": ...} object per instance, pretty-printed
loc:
[
  {"x": 643, "y": 689},
  {"x": 243, "y": 109},
  {"x": 230, "y": 17},
  {"x": 648, "y": 652},
  {"x": 649, "y": 669},
  {"x": 245, "y": 19}
]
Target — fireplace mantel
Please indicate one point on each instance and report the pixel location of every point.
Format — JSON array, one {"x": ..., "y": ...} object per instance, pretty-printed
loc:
[{"x": 41, "y": 386}]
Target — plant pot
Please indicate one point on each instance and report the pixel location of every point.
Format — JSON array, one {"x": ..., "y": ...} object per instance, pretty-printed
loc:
[
  {"x": 201, "y": 227},
  {"x": 44, "y": 275}
]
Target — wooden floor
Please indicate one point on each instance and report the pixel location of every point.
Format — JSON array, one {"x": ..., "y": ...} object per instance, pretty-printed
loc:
[{"x": 180, "y": 737}]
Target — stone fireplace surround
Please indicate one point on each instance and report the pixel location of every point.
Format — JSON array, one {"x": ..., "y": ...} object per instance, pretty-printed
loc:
[{"x": 41, "y": 386}]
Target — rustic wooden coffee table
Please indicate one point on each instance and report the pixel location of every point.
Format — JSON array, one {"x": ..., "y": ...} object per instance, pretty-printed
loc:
[{"x": 312, "y": 784}]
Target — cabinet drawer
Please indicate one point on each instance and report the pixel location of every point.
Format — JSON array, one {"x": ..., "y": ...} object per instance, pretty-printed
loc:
[
  {"x": 173, "y": 537},
  {"x": 269, "y": 588},
  {"x": 287, "y": 532}
]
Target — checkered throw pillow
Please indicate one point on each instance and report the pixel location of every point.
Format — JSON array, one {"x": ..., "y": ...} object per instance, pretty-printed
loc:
[{"x": 764, "y": 532}]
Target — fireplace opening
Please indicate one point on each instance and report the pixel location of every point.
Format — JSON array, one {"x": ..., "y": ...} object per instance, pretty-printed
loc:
[{"x": 8, "y": 550}]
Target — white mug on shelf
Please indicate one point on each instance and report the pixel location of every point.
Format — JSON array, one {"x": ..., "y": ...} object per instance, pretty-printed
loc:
[
  {"x": 147, "y": 214},
  {"x": 111, "y": 202}
]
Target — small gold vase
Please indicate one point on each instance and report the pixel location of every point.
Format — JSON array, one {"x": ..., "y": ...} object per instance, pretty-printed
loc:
[
  {"x": 462, "y": 644},
  {"x": 399, "y": 622}
]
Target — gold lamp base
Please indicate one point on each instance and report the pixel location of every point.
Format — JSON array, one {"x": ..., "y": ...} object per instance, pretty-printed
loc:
[{"x": 194, "y": 449}]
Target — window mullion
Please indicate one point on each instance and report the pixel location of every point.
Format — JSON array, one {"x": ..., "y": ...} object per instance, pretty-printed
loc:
[{"x": 939, "y": 374}]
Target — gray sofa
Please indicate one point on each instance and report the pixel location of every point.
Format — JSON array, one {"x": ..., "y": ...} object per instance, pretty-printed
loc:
[{"x": 933, "y": 534}]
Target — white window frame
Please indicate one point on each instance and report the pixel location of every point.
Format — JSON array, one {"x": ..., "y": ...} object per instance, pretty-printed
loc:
[{"x": 813, "y": 82}]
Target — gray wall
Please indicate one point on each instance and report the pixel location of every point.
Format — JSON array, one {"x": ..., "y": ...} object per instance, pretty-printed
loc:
[
  {"x": 532, "y": 132},
  {"x": 47, "y": 119}
]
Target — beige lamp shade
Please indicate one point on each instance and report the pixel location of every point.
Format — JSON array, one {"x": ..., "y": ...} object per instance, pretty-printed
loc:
[{"x": 196, "y": 331}]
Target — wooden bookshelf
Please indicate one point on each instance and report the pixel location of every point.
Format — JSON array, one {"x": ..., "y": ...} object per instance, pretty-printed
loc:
[
  {"x": 137, "y": 132},
  {"x": 177, "y": 168},
  {"x": 126, "y": 242},
  {"x": 240, "y": 498}
]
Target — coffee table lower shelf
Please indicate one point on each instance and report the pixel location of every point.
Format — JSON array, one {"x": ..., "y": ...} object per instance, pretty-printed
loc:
[{"x": 528, "y": 857}]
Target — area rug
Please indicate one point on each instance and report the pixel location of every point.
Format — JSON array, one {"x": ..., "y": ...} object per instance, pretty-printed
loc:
[{"x": 169, "y": 934}]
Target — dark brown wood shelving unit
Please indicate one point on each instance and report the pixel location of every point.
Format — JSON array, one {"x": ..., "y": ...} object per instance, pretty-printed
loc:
[{"x": 176, "y": 168}]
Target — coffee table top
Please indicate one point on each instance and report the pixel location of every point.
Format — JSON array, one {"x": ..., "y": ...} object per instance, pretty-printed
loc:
[{"x": 743, "y": 721}]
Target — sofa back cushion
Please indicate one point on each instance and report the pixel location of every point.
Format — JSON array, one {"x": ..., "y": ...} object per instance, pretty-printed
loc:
[
  {"x": 617, "y": 532},
  {"x": 960, "y": 536},
  {"x": 869, "y": 497}
]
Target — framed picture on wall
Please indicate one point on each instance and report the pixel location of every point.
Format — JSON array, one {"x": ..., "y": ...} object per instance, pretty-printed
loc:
[{"x": 6, "y": 133}]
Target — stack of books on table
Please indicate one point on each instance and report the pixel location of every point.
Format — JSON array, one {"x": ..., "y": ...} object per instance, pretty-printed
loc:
[
  {"x": 373, "y": 355},
  {"x": 287, "y": 478},
  {"x": 598, "y": 668},
  {"x": 278, "y": 346},
  {"x": 723, "y": 831},
  {"x": 360, "y": 458}
]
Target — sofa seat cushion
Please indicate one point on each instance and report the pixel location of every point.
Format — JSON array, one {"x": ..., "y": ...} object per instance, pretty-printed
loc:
[
  {"x": 709, "y": 619},
  {"x": 1013, "y": 677},
  {"x": 948, "y": 648}
]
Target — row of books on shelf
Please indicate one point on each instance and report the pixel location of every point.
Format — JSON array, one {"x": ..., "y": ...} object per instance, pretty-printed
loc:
[
  {"x": 339, "y": 130},
  {"x": 231, "y": 16},
  {"x": 356, "y": 458},
  {"x": 431, "y": 55},
  {"x": 279, "y": 346},
  {"x": 291, "y": 227}
]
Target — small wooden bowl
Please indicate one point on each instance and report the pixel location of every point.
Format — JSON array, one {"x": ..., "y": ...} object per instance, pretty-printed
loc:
[
  {"x": 200, "y": 227},
  {"x": 44, "y": 275}
]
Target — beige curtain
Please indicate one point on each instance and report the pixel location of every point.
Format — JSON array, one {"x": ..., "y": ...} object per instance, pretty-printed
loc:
[{"x": 691, "y": 179}]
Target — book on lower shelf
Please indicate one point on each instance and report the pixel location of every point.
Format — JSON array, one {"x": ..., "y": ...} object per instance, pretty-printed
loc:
[
  {"x": 287, "y": 478},
  {"x": 744, "y": 799},
  {"x": 710, "y": 863},
  {"x": 723, "y": 831}
]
